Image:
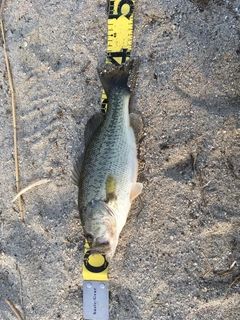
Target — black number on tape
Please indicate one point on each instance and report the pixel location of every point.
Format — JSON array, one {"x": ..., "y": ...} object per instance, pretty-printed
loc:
[
  {"x": 104, "y": 105},
  {"x": 119, "y": 9}
]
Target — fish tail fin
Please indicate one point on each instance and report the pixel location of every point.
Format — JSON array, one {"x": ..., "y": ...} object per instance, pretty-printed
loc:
[{"x": 113, "y": 76}]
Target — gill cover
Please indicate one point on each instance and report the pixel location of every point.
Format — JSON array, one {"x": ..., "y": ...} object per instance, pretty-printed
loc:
[{"x": 100, "y": 227}]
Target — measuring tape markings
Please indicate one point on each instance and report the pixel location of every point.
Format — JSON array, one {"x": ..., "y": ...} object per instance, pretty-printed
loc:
[
  {"x": 120, "y": 35},
  {"x": 120, "y": 31}
]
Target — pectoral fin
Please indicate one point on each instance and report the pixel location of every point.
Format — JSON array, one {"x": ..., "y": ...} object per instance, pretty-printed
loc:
[{"x": 136, "y": 190}]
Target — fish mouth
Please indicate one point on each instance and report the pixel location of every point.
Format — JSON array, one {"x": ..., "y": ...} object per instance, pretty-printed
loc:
[{"x": 101, "y": 246}]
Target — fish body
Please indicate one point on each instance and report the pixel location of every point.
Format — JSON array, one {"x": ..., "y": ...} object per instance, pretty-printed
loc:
[{"x": 108, "y": 176}]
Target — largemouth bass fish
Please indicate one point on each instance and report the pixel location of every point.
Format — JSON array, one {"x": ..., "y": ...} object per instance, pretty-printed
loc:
[{"x": 107, "y": 172}]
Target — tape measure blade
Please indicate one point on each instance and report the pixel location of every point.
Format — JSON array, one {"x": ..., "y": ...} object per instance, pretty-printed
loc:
[{"x": 120, "y": 35}]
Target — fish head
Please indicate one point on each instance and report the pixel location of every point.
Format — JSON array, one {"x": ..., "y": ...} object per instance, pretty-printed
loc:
[{"x": 100, "y": 229}]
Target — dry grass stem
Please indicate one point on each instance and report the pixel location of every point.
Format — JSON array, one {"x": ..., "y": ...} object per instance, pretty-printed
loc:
[
  {"x": 233, "y": 264},
  {"x": 1, "y": 7},
  {"x": 20, "y": 280},
  {"x": 235, "y": 280},
  {"x": 14, "y": 309},
  {"x": 209, "y": 271},
  {"x": 34, "y": 184},
  {"x": 13, "y": 112}
]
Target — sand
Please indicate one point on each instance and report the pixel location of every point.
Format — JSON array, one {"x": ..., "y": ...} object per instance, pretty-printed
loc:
[{"x": 179, "y": 254}]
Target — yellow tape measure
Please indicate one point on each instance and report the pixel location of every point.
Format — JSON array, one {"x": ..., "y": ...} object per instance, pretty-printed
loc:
[
  {"x": 120, "y": 31},
  {"x": 95, "y": 267},
  {"x": 120, "y": 35}
]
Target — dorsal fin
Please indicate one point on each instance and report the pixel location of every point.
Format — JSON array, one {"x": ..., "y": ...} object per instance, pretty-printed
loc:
[
  {"x": 91, "y": 127},
  {"x": 77, "y": 168}
]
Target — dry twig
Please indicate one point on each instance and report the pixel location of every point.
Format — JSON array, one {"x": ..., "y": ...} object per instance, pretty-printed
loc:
[
  {"x": 13, "y": 111},
  {"x": 14, "y": 309},
  {"x": 235, "y": 280}
]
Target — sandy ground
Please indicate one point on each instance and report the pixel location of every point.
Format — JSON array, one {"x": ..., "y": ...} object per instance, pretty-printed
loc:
[{"x": 174, "y": 256}]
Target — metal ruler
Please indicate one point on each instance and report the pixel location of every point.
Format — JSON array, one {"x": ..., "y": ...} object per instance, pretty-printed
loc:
[{"x": 95, "y": 267}]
